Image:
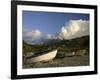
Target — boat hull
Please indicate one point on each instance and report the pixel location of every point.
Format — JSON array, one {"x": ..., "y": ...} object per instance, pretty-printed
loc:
[{"x": 45, "y": 57}]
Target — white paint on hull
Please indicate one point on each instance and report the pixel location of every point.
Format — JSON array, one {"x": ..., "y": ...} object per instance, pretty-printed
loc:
[{"x": 45, "y": 57}]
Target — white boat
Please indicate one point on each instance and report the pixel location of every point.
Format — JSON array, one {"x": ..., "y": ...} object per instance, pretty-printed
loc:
[{"x": 48, "y": 55}]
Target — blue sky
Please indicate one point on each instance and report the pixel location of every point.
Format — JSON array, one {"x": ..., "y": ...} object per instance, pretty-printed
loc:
[
  {"x": 49, "y": 22},
  {"x": 53, "y": 25}
]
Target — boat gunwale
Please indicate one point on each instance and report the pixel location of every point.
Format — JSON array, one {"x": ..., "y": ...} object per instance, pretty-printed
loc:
[{"x": 40, "y": 54}]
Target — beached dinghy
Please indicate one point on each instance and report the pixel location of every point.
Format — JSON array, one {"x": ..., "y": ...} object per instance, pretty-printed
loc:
[{"x": 42, "y": 56}]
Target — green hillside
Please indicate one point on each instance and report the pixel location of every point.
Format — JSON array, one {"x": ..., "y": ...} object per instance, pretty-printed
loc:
[{"x": 62, "y": 45}]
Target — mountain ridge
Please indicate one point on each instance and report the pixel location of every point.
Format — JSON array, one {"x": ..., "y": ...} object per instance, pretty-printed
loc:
[{"x": 77, "y": 43}]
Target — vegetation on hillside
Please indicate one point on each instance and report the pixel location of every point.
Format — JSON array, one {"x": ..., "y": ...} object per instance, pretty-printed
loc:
[{"x": 62, "y": 45}]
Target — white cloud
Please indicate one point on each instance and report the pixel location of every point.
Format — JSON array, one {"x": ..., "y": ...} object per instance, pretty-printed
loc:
[
  {"x": 30, "y": 36},
  {"x": 75, "y": 28},
  {"x": 72, "y": 29},
  {"x": 50, "y": 36}
]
